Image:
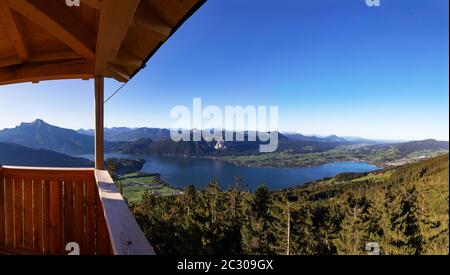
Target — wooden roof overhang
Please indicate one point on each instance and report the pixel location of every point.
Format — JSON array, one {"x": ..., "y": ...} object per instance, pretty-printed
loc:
[{"x": 48, "y": 40}]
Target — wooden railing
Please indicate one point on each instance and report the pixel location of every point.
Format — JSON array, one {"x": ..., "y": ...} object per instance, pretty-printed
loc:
[{"x": 47, "y": 210}]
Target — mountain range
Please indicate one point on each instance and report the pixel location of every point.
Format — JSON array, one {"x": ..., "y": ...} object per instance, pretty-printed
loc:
[
  {"x": 29, "y": 140},
  {"x": 158, "y": 134},
  {"x": 41, "y": 135},
  {"x": 18, "y": 155},
  {"x": 130, "y": 134}
]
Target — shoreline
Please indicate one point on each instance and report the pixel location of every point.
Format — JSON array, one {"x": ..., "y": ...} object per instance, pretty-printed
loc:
[{"x": 224, "y": 159}]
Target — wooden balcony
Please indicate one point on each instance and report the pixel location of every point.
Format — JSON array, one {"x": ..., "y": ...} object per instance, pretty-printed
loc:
[{"x": 44, "y": 209}]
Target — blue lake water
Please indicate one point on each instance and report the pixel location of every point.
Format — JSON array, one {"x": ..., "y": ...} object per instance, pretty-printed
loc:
[{"x": 181, "y": 172}]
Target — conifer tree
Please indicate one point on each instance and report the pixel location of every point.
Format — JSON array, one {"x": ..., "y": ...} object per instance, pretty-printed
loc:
[
  {"x": 304, "y": 240},
  {"x": 352, "y": 236},
  {"x": 257, "y": 236}
]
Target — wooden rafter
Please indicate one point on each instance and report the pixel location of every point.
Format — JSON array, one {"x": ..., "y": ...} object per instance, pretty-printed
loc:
[
  {"x": 150, "y": 21},
  {"x": 97, "y": 4},
  {"x": 115, "y": 19},
  {"x": 52, "y": 56},
  {"x": 10, "y": 61},
  {"x": 109, "y": 38},
  {"x": 83, "y": 69},
  {"x": 41, "y": 57},
  {"x": 14, "y": 30},
  {"x": 60, "y": 21},
  {"x": 127, "y": 58},
  {"x": 118, "y": 73}
]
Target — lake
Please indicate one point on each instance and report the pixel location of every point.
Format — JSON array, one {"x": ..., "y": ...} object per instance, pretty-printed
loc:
[{"x": 180, "y": 172}]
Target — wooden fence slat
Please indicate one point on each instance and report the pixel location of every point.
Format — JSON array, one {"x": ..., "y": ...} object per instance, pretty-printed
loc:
[
  {"x": 126, "y": 238},
  {"x": 46, "y": 216},
  {"x": 79, "y": 216},
  {"x": 103, "y": 242},
  {"x": 18, "y": 213},
  {"x": 41, "y": 210},
  {"x": 2, "y": 210},
  {"x": 9, "y": 213},
  {"x": 28, "y": 213},
  {"x": 90, "y": 217},
  {"x": 56, "y": 220},
  {"x": 38, "y": 218},
  {"x": 69, "y": 235}
]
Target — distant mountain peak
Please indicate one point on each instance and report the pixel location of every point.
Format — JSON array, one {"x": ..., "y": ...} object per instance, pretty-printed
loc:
[
  {"x": 40, "y": 135},
  {"x": 36, "y": 122}
]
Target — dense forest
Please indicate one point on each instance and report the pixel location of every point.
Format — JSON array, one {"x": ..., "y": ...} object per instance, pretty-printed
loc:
[{"x": 404, "y": 210}]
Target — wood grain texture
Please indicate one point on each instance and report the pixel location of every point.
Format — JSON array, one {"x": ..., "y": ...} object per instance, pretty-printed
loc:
[
  {"x": 36, "y": 31},
  {"x": 125, "y": 235},
  {"x": 43, "y": 209}
]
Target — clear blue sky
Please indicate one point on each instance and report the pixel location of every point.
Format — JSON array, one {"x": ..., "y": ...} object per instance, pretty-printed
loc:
[{"x": 332, "y": 67}]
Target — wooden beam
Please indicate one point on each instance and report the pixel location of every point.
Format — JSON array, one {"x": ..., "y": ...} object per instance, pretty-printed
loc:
[
  {"x": 115, "y": 19},
  {"x": 128, "y": 59},
  {"x": 53, "y": 56},
  {"x": 57, "y": 19},
  {"x": 10, "y": 61},
  {"x": 150, "y": 21},
  {"x": 120, "y": 72},
  {"x": 30, "y": 72},
  {"x": 97, "y": 4},
  {"x": 99, "y": 123},
  {"x": 15, "y": 30},
  {"x": 124, "y": 232}
]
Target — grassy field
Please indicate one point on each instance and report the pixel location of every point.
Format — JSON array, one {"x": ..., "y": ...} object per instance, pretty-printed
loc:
[
  {"x": 379, "y": 157},
  {"x": 287, "y": 159},
  {"x": 135, "y": 184},
  {"x": 379, "y": 176}
]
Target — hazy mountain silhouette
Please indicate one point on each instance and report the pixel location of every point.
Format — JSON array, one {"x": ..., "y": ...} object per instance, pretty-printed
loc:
[
  {"x": 18, "y": 155},
  {"x": 41, "y": 135}
]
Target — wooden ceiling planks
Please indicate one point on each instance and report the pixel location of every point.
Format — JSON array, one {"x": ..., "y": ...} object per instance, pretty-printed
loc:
[
  {"x": 46, "y": 39},
  {"x": 14, "y": 29}
]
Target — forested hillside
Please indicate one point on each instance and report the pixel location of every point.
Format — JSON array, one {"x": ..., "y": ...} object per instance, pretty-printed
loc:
[
  {"x": 18, "y": 155},
  {"x": 404, "y": 210}
]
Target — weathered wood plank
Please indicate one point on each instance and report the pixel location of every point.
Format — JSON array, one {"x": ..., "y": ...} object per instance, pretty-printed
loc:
[
  {"x": 90, "y": 217},
  {"x": 125, "y": 235},
  {"x": 47, "y": 173},
  {"x": 94, "y": 3},
  {"x": 15, "y": 30},
  {"x": 38, "y": 218},
  {"x": 69, "y": 235},
  {"x": 63, "y": 24},
  {"x": 9, "y": 212},
  {"x": 18, "y": 213},
  {"x": 56, "y": 221},
  {"x": 79, "y": 216},
  {"x": 46, "y": 229},
  {"x": 28, "y": 213},
  {"x": 99, "y": 122},
  {"x": 115, "y": 19},
  {"x": 42, "y": 215},
  {"x": 103, "y": 239},
  {"x": 2, "y": 210}
]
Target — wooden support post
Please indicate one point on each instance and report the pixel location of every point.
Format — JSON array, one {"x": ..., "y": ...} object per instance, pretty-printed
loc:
[{"x": 99, "y": 123}]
